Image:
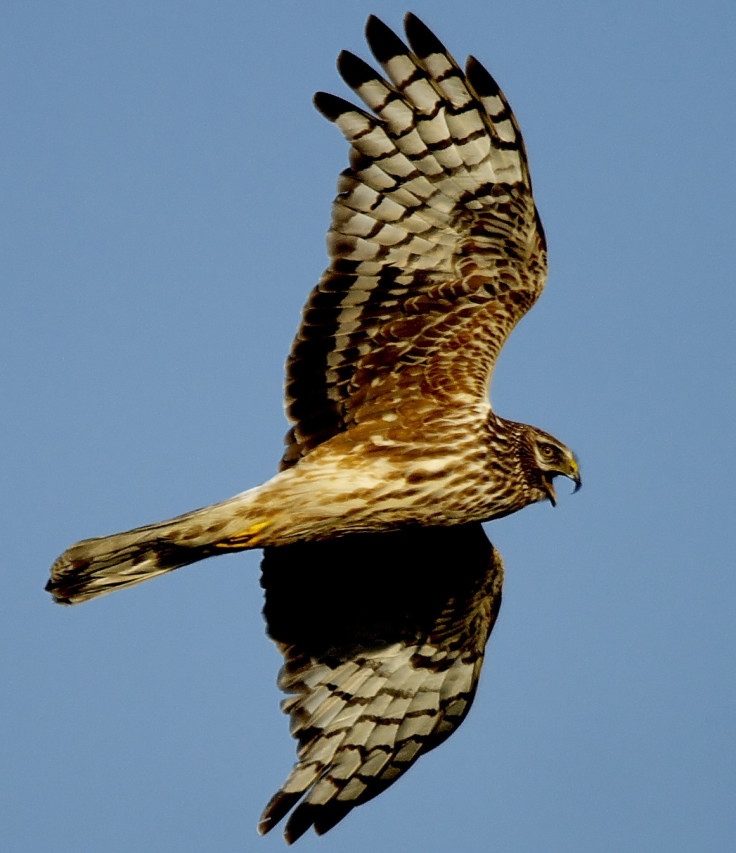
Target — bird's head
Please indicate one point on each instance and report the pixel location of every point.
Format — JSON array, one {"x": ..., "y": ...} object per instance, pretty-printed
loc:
[{"x": 543, "y": 458}]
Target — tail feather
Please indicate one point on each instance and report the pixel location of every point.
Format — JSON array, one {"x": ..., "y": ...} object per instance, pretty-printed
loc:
[{"x": 95, "y": 567}]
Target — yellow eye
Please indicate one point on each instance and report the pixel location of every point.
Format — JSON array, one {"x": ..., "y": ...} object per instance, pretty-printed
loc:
[{"x": 547, "y": 450}]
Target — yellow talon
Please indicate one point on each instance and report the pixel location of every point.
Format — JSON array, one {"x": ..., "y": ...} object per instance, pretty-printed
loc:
[{"x": 246, "y": 539}]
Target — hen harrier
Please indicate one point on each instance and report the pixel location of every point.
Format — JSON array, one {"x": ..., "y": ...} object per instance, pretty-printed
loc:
[{"x": 381, "y": 586}]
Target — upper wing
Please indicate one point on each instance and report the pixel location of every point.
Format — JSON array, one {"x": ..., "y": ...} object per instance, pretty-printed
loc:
[
  {"x": 436, "y": 247},
  {"x": 383, "y": 637}
]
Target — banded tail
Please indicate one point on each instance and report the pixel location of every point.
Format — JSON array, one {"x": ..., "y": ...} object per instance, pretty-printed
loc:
[{"x": 95, "y": 567}]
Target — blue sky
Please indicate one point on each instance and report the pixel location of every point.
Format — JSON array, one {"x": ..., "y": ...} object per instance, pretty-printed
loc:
[{"x": 166, "y": 187}]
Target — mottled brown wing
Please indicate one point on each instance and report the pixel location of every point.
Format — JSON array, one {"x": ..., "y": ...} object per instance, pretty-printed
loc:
[
  {"x": 383, "y": 637},
  {"x": 436, "y": 248}
]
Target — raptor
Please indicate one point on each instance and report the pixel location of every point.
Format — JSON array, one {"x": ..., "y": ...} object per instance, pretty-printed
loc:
[{"x": 381, "y": 585}]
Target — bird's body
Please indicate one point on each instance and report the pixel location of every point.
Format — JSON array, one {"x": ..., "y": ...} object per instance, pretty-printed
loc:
[
  {"x": 411, "y": 467},
  {"x": 395, "y": 455}
]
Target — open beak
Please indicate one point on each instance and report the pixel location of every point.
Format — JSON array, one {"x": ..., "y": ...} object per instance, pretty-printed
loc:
[
  {"x": 550, "y": 489},
  {"x": 573, "y": 473}
]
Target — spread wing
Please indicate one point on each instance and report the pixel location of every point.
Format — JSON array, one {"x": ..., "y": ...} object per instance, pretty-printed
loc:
[
  {"x": 436, "y": 249},
  {"x": 383, "y": 637}
]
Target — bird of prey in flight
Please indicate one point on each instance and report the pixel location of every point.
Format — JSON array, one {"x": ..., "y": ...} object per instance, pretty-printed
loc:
[{"x": 381, "y": 585}]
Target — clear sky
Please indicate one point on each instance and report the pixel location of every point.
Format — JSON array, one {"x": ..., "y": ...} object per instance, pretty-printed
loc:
[{"x": 166, "y": 187}]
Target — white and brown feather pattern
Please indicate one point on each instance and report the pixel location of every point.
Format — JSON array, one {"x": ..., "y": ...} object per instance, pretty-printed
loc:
[
  {"x": 383, "y": 641},
  {"x": 381, "y": 586},
  {"x": 435, "y": 244}
]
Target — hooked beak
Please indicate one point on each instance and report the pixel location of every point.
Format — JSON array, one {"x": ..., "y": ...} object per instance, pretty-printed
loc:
[{"x": 574, "y": 474}]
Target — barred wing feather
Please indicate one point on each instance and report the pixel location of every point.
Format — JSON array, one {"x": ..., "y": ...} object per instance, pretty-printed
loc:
[
  {"x": 383, "y": 638},
  {"x": 436, "y": 249}
]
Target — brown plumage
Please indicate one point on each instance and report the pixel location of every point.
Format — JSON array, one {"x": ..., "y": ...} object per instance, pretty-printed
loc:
[{"x": 394, "y": 456}]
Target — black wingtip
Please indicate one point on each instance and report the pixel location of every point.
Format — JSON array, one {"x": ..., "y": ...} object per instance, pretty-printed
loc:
[
  {"x": 353, "y": 70},
  {"x": 480, "y": 79},
  {"x": 331, "y": 814},
  {"x": 331, "y": 106},
  {"x": 422, "y": 40},
  {"x": 382, "y": 40},
  {"x": 278, "y": 806},
  {"x": 301, "y": 819}
]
